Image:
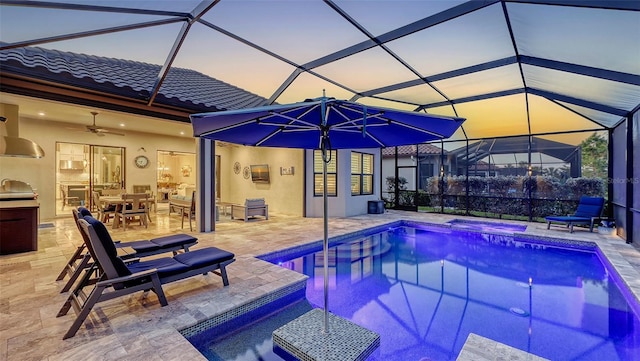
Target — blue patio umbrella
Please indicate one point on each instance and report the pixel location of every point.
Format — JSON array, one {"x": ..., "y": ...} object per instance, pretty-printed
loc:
[{"x": 323, "y": 123}]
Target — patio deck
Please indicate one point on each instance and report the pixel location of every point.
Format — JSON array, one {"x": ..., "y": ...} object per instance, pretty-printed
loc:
[{"x": 136, "y": 328}]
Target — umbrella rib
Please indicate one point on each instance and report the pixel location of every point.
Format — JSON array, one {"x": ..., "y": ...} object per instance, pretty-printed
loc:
[
  {"x": 375, "y": 139},
  {"x": 355, "y": 110},
  {"x": 268, "y": 137},
  {"x": 281, "y": 127},
  {"x": 348, "y": 126},
  {"x": 301, "y": 115},
  {"x": 369, "y": 118},
  {"x": 359, "y": 132},
  {"x": 298, "y": 130},
  {"x": 296, "y": 120},
  {"x": 417, "y": 129},
  {"x": 204, "y": 134},
  {"x": 289, "y": 125}
]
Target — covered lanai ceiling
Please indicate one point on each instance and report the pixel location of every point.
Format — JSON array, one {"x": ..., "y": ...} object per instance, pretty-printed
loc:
[{"x": 508, "y": 67}]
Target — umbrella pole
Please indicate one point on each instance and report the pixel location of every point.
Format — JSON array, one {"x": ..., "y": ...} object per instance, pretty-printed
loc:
[{"x": 325, "y": 243}]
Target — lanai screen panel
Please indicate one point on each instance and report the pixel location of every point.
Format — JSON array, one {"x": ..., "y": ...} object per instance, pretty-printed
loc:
[
  {"x": 299, "y": 31},
  {"x": 502, "y": 116},
  {"x": 598, "y": 38},
  {"x": 482, "y": 82},
  {"x": 231, "y": 61},
  {"x": 475, "y": 38},
  {"x": 307, "y": 86},
  {"x": 579, "y": 61},
  {"x": 600, "y": 91},
  {"x": 417, "y": 94},
  {"x": 548, "y": 116},
  {"x": 148, "y": 45},
  {"x": 366, "y": 70}
]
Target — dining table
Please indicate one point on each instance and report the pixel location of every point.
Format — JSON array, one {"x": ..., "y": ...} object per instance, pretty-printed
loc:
[{"x": 119, "y": 202}]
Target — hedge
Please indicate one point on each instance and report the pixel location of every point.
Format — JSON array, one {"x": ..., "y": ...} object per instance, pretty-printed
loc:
[{"x": 505, "y": 195}]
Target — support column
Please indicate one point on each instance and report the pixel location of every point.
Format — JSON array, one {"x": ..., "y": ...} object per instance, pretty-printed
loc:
[
  {"x": 629, "y": 183},
  {"x": 205, "y": 186},
  {"x": 609, "y": 199}
]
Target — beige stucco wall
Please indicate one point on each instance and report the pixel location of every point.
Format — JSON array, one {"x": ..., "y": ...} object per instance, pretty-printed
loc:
[
  {"x": 345, "y": 204},
  {"x": 284, "y": 194},
  {"x": 41, "y": 173}
]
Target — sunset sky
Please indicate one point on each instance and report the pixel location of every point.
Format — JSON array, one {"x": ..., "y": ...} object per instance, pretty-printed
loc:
[{"x": 300, "y": 32}]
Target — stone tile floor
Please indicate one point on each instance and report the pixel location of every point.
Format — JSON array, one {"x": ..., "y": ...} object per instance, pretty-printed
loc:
[{"x": 137, "y": 328}]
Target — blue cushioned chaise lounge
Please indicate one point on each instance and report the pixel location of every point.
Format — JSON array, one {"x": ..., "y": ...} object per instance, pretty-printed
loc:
[
  {"x": 589, "y": 210},
  {"x": 118, "y": 277}
]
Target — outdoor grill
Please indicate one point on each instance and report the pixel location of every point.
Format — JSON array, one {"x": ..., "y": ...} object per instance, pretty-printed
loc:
[
  {"x": 11, "y": 190},
  {"x": 18, "y": 217}
]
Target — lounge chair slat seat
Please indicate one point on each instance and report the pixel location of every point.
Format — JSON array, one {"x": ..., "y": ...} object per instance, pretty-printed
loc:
[
  {"x": 120, "y": 277},
  {"x": 143, "y": 248}
]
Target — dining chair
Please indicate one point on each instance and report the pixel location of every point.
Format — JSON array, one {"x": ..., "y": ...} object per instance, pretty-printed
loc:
[
  {"x": 189, "y": 212},
  {"x": 66, "y": 200},
  {"x": 111, "y": 192},
  {"x": 152, "y": 201},
  {"x": 105, "y": 211},
  {"x": 135, "y": 205},
  {"x": 141, "y": 188}
]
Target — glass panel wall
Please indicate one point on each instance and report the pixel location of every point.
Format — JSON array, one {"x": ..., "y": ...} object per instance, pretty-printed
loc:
[
  {"x": 176, "y": 174},
  {"x": 361, "y": 173},
  {"x": 523, "y": 177},
  {"x": 332, "y": 173},
  {"x": 83, "y": 169}
]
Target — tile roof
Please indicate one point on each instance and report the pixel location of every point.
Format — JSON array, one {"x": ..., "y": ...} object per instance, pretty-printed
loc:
[
  {"x": 407, "y": 150},
  {"x": 183, "y": 88}
]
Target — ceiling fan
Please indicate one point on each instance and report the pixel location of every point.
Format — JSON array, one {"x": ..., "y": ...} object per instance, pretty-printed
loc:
[{"x": 99, "y": 131}]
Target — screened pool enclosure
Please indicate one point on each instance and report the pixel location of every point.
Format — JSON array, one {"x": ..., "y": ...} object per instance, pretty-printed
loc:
[{"x": 535, "y": 80}]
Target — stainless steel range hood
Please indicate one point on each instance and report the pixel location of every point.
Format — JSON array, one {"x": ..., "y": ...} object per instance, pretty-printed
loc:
[{"x": 17, "y": 147}]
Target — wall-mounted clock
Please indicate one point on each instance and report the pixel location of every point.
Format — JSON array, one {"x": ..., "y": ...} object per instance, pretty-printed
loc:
[
  {"x": 246, "y": 172},
  {"x": 141, "y": 161},
  {"x": 237, "y": 168}
]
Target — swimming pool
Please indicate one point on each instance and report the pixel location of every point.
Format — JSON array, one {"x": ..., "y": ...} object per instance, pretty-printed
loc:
[
  {"x": 482, "y": 226},
  {"x": 425, "y": 288}
]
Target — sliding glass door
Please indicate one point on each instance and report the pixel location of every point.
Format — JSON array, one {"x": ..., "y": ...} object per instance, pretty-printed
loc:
[
  {"x": 107, "y": 168},
  {"x": 84, "y": 168}
]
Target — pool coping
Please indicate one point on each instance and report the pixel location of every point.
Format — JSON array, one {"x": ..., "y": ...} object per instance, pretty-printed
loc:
[{"x": 628, "y": 280}]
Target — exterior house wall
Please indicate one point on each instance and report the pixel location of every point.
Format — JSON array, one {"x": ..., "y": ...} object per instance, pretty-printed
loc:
[
  {"x": 284, "y": 194},
  {"x": 344, "y": 205},
  {"x": 41, "y": 173}
]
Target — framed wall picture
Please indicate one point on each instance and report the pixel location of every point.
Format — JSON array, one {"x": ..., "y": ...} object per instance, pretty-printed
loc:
[{"x": 186, "y": 170}]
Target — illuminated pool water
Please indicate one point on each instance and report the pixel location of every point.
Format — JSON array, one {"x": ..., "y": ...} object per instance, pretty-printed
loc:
[
  {"x": 425, "y": 289},
  {"x": 491, "y": 227}
]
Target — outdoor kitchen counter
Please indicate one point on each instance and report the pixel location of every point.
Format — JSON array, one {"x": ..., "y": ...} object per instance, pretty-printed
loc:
[
  {"x": 18, "y": 226},
  {"x": 21, "y": 203}
]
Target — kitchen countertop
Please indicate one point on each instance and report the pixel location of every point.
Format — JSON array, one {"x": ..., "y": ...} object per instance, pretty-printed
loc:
[{"x": 21, "y": 203}]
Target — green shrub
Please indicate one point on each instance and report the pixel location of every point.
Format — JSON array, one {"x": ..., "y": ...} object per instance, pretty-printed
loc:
[
  {"x": 508, "y": 195},
  {"x": 593, "y": 187}
]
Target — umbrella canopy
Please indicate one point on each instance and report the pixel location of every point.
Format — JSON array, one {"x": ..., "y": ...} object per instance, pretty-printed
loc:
[
  {"x": 323, "y": 123},
  {"x": 346, "y": 125}
]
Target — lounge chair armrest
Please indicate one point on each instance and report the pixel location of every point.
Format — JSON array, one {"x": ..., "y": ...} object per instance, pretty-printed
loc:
[
  {"x": 130, "y": 277},
  {"x": 131, "y": 260}
]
